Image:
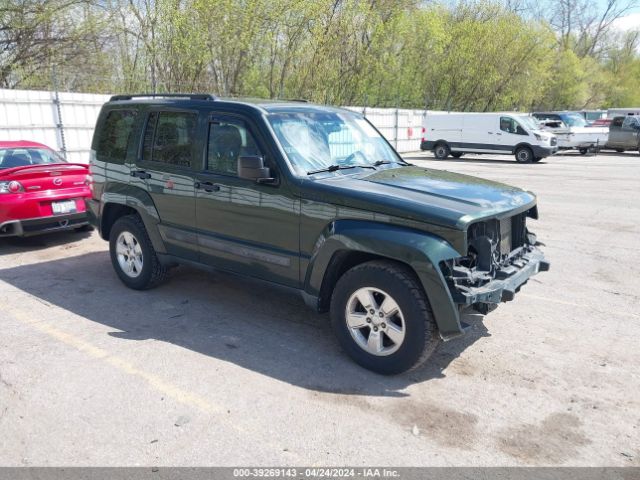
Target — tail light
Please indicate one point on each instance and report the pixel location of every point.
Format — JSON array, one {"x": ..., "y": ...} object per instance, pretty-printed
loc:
[
  {"x": 88, "y": 181},
  {"x": 423, "y": 134},
  {"x": 11, "y": 187}
]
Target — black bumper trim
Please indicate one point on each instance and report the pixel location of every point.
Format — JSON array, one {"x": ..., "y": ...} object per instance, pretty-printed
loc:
[
  {"x": 503, "y": 290},
  {"x": 37, "y": 226}
]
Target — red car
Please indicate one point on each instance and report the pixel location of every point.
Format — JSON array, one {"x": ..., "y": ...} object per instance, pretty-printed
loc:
[{"x": 39, "y": 191}]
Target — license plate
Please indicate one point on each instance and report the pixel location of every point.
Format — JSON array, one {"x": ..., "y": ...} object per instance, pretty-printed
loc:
[{"x": 67, "y": 206}]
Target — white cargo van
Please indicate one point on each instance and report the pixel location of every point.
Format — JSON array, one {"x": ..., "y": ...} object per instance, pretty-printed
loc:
[{"x": 503, "y": 133}]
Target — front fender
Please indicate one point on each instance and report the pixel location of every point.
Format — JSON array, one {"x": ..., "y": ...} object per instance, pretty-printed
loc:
[{"x": 421, "y": 251}]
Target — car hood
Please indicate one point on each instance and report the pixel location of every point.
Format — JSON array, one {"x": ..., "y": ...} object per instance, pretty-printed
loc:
[{"x": 427, "y": 195}]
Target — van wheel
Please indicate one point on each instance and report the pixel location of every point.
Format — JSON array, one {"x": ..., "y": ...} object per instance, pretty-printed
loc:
[
  {"x": 132, "y": 254},
  {"x": 524, "y": 155},
  {"x": 457, "y": 154},
  {"x": 620, "y": 150},
  {"x": 583, "y": 151},
  {"x": 441, "y": 151},
  {"x": 382, "y": 317}
]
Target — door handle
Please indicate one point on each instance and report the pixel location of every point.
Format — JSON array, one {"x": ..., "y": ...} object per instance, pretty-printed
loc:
[
  {"x": 490, "y": 133},
  {"x": 140, "y": 174},
  {"x": 207, "y": 186},
  {"x": 498, "y": 133}
]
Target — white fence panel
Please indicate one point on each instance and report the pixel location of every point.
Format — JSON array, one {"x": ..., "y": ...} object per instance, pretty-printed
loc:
[{"x": 33, "y": 115}]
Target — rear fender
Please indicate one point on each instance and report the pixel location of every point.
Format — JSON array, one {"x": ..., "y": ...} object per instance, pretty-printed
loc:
[
  {"x": 419, "y": 250},
  {"x": 140, "y": 201}
]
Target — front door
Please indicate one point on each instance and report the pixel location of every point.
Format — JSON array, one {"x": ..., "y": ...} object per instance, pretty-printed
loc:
[
  {"x": 510, "y": 134},
  {"x": 615, "y": 132},
  {"x": 630, "y": 132},
  {"x": 165, "y": 170},
  {"x": 244, "y": 226}
]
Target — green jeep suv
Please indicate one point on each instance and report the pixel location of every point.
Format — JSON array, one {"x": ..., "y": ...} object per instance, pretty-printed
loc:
[{"x": 313, "y": 198}]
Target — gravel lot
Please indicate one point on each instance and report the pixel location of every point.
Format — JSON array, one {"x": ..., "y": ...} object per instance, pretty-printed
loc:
[{"x": 211, "y": 369}]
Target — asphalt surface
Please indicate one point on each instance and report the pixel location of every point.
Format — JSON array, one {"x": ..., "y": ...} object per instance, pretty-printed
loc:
[{"x": 212, "y": 369}]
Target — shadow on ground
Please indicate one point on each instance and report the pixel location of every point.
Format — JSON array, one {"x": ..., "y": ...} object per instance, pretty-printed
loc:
[
  {"x": 257, "y": 326},
  {"x": 11, "y": 245}
]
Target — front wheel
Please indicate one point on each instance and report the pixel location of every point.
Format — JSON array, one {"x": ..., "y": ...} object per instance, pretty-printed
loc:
[
  {"x": 132, "y": 254},
  {"x": 620, "y": 150},
  {"x": 524, "y": 155},
  {"x": 457, "y": 154},
  {"x": 382, "y": 317},
  {"x": 583, "y": 151}
]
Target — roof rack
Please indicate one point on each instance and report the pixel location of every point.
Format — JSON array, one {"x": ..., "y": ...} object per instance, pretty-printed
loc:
[{"x": 192, "y": 96}]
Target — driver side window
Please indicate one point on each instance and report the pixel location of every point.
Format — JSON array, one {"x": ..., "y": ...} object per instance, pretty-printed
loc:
[
  {"x": 229, "y": 139},
  {"x": 509, "y": 125}
]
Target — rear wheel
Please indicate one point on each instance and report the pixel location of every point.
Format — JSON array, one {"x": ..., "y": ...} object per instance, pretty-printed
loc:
[
  {"x": 456, "y": 154},
  {"x": 524, "y": 155},
  {"x": 583, "y": 151},
  {"x": 441, "y": 151},
  {"x": 620, "y": 150},
  {"x": 132, "y": 254},
  {"x": 382, "y": 317}
]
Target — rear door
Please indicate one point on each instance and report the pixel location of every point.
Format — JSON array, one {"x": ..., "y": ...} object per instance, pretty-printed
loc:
[{"x": 164, "y": 168}]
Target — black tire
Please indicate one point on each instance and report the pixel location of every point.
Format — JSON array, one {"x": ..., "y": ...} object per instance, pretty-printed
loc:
[
  {"x": 583, "y": 151},
  {"x": 524, "y": 155},
  {"x": 398, "y": 281},
  {"x": 152, "y": 272},
  {"x": 456, "y": 154},
  {"x": 620, "y": 150},
  {"x": 441, "y": 151}
]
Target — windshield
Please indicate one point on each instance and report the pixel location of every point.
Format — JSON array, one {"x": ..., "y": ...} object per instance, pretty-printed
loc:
[
  {"x": 317, "y": 140},
  {"x": 23, "y": 157},
  {"x": 574, "y": 120},
  {"x": 529, "y": 122}
]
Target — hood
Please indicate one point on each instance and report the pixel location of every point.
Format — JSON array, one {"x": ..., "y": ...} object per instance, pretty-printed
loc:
[{"x": 434, "y": 196}]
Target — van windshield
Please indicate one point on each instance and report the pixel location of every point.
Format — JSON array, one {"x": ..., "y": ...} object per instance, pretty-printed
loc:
[
  {"x": 318, "y": 140},
  {"x": 528, "y": 122}
]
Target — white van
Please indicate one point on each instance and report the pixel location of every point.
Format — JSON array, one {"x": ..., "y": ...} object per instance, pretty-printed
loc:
[
  {"x": 621, "y": 112},
  {"x": 506, "y": 133}
]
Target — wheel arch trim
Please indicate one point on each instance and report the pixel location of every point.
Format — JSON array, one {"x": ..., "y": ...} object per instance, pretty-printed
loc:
[
  {"x": 138, "y": 200},
  {"x": 420, "y": 251}
]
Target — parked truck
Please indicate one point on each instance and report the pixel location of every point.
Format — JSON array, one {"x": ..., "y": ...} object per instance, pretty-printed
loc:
[
  {"x": 573, "y": 131},
  {"x": 624, "y": 133}
]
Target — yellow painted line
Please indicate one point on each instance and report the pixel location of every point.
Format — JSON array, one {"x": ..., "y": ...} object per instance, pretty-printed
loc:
[
  {"x": 167, "y": 388},
  {"x": 121, "y": 364}
]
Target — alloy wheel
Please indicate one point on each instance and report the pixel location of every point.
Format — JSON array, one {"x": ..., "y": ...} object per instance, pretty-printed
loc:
[
  {"x": 375, "y": 321},
  {"x": 129, "y": 254}
]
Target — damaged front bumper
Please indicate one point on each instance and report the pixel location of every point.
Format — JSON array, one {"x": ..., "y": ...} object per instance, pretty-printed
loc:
[{"x": 503, "y": 286}]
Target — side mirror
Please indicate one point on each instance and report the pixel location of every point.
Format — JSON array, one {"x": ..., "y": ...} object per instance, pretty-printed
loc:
[{"x": 251, "y": 167}]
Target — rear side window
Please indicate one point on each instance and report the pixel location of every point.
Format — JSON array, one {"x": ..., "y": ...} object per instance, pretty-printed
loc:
[
  {"x": 114, "y": 136},
  {"x": 617, "y": 122},
  {"x": 169, "y": 137}
]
